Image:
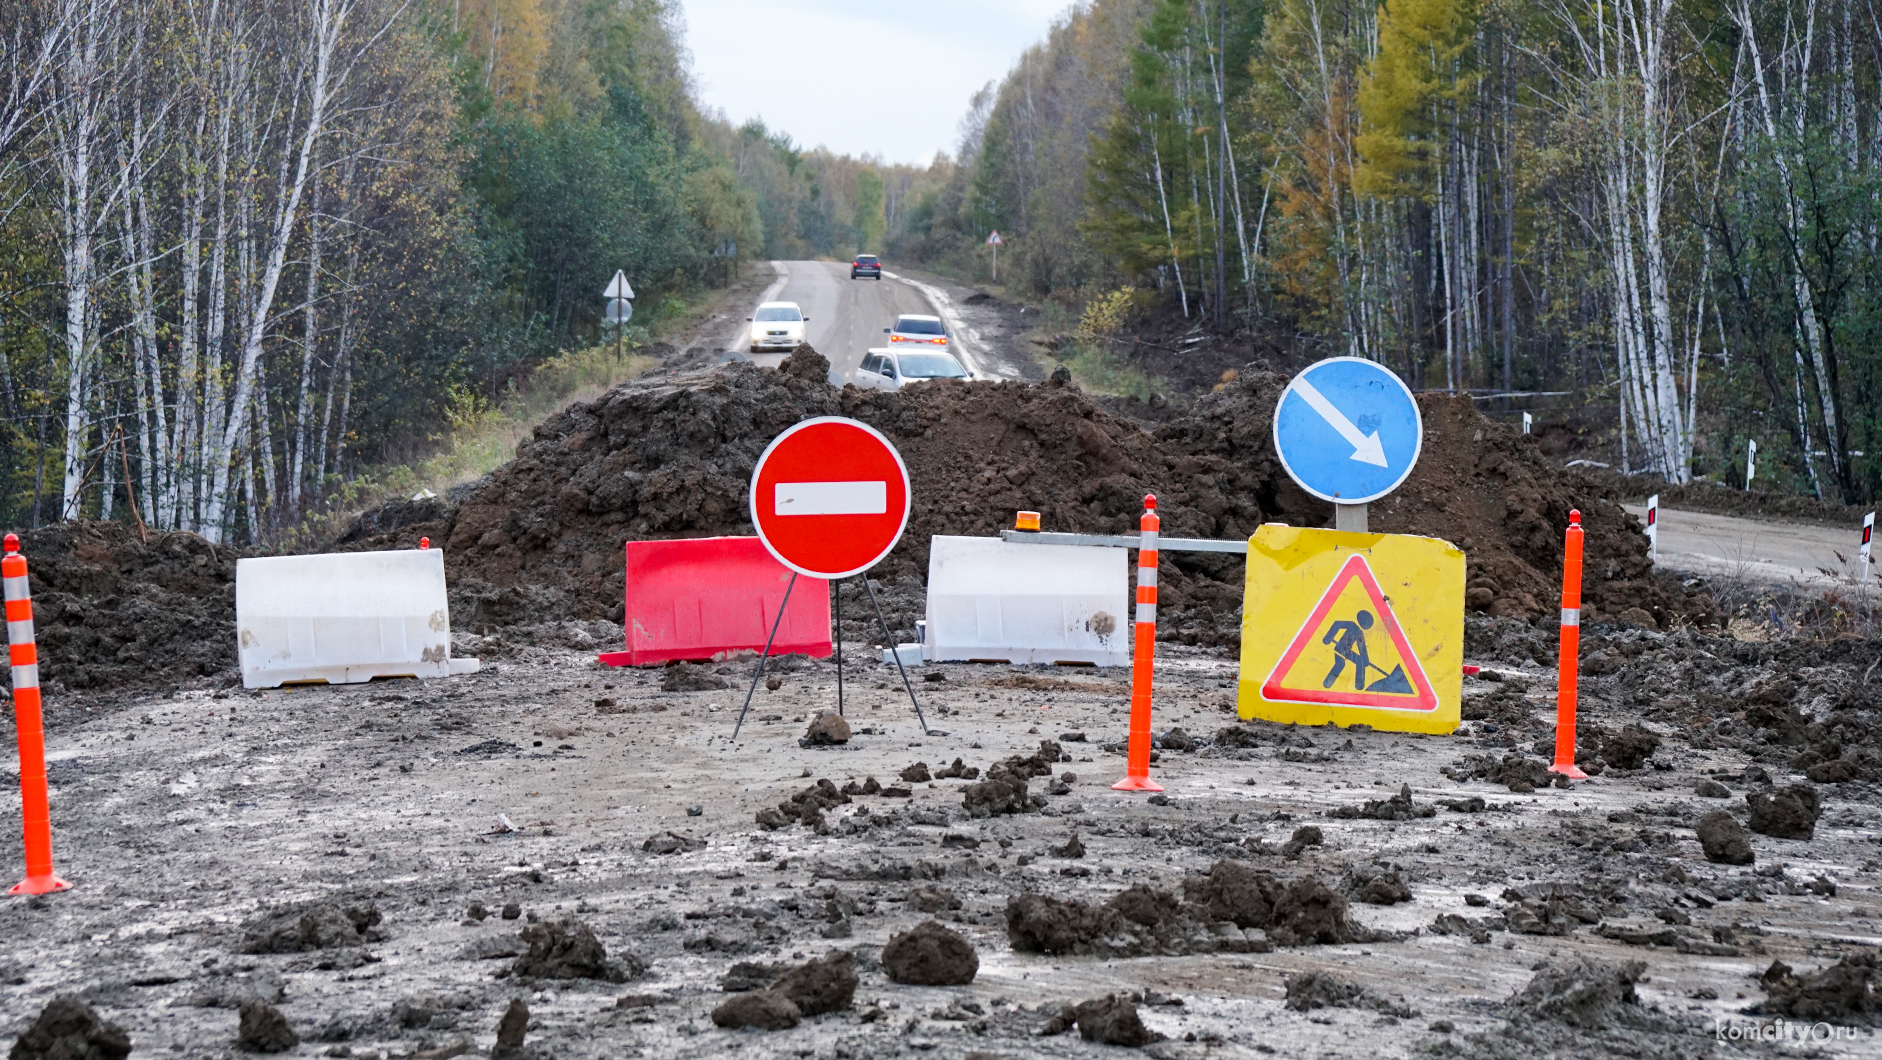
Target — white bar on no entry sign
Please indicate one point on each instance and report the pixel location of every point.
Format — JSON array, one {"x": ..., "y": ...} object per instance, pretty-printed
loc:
[{"x": 832, "y": 498}]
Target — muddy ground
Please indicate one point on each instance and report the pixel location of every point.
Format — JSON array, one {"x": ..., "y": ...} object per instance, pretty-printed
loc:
[{"x": 329, "y": 851}]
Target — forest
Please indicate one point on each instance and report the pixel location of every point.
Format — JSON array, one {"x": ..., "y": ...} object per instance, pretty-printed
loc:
[
  {"x": 248, "y": 247},
  {"x": 1667, "y": 208}
]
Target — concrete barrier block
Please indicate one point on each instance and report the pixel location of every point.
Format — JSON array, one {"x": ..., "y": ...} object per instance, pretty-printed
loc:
[
  {"x": 343, "y": 618},
  {"x": 996, "y": 601}
]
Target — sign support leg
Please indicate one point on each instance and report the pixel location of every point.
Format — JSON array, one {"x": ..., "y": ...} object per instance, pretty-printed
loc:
[
  {"x": 898, "y": 655},
  {"x": 1350, "y": 518},
  {"x": 836, "y": 590},
  {"x": 775, "y": 623}
]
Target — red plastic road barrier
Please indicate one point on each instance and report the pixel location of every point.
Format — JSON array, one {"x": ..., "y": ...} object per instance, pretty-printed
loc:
[
  {"x": 35, "y": 808},
  {"x": 1569, "y": 667},
  {"x": 704, "y": 598},
  {"x": 1143, "y": 654}
]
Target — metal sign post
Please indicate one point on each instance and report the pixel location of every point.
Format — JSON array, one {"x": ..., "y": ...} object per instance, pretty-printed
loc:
[
  {"x": 994, "y": 241},
  {"x": 620, "y": 295}
]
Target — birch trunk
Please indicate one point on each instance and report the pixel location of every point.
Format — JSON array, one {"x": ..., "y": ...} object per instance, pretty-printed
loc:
[{"x": 327, "y": 19}]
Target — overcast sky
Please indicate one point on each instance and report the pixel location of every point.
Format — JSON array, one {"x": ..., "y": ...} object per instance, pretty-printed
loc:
[{"x": 890, "y": 78}]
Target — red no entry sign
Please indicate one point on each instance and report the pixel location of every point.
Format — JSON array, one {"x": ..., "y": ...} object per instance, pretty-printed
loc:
[{"x": 830, "y": 497}]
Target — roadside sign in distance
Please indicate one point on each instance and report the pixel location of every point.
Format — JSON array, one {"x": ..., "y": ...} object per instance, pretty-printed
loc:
[
  {"x": 619, "y": 287},
  {"x": 1348, "y": 430},
  {"x": 620, "y": 310},
  {"x": 830, "y": 497}
]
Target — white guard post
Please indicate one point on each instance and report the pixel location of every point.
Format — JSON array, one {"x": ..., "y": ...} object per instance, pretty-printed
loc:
[
  {"x": 343, "y": 618},
  {"x": 998, "y": 601},
  {"x": 1653, "y": 529}
]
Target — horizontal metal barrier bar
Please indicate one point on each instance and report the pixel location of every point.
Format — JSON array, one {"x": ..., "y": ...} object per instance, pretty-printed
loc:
[{"x": 1164, "y": 544}]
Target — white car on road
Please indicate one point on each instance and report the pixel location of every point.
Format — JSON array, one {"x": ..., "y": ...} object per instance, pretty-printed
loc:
[
  {"x": 777, "y": 326},
  {"x": 915, "y": 331},
  {"x": 895, "y": 369}
]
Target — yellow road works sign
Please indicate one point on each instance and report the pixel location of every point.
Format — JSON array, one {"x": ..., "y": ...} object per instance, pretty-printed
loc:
[{"x": 1351, "y": 628}]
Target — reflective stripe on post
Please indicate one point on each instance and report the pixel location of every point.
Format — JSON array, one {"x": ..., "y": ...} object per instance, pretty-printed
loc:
[
  {"x": 1569, "y": 664},
  {"x": 23, "y": 652},
  {"x": 1143, "y": 654}
]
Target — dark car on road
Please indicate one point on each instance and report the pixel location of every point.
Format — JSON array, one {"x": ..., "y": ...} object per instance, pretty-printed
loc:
[{"x": 866, "y": 265}]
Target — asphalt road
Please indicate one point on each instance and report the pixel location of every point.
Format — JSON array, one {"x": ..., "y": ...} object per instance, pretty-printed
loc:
[
  {"x": 847, "y": 316},
  {"x": 1757, "y": 549}
]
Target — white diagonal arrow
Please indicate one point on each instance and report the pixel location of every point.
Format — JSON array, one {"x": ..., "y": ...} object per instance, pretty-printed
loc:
[{"x": 1366, "y": 448}]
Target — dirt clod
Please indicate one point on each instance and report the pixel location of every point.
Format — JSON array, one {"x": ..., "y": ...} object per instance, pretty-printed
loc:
[
  {"x": 1723, "y": 839},
  {"x": 916, "y": 774},
  {"x": 511, "y": 1029},
  {"x": 1711, "y": 789},
  {"x": 318, "y": 926},
  {"x": 687, "y": 677},
  {"x": 827, "y": 729},
  {"x": 67, "y": 1029},
  {"x": 1842, "y": 993},
  {"x": 930, "y": 955},
  {"x": 263, "y": 1029},
  {"x": 1787, "y": 814},
  {"x": 1305, "y": 836},
  {"x": 1630, "y": 748},
  {"x": 1399, "y": 807},
  {"x": 1004, "y": 793},
  {"x": 568, "y": 949},
  {"x": 824, "y": 985},
  {"x": 1112, "y": 1020},
  {"x": 1071, "y": 848},
  {"x": 1581, "y": 992},
  {"x": 1377, "y": 887},
  {"x": 1311, "y": 990},
  {"x": 766, "y": 1010}
]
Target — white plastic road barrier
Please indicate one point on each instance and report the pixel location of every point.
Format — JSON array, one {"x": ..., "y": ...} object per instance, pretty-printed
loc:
[
  {"x": 344, "y": 618},
  {"x": 999, "y": 601}
]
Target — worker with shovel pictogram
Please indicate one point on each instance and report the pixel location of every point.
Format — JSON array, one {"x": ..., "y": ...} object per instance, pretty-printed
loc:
[{"x": 1349, "y": 645}]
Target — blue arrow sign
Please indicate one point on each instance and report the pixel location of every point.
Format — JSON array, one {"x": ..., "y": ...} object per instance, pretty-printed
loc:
[{"x": 1348, "y": 430}]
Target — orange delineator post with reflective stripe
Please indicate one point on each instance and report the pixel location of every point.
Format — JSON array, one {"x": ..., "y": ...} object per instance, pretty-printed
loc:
[
  {"x": 35, "y": 807},
  {"x": 1143, "y": 654},
  {"x": 1569, "y": 666}
]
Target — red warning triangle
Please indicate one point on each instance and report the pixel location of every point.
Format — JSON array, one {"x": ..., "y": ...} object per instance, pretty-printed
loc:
[{"x": 1351, "y": 652}]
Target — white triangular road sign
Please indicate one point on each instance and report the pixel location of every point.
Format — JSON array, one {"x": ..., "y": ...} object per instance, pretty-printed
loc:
[{"x": 618, "y": 287}]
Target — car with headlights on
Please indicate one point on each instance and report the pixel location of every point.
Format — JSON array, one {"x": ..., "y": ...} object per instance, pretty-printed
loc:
[{"x": 777, "y": 326}]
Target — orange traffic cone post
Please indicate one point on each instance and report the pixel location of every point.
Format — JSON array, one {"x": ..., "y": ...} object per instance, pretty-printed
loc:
[
  {"x": 1143, "y": 655},
  {"x": 35, "y": 807},
  {"x": 1569, "y": 667}
]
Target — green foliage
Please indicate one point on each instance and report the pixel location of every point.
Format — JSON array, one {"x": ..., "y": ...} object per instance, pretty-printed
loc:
[{"x": 1416, "y": 71}]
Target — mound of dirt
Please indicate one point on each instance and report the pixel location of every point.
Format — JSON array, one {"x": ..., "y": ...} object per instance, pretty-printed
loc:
[
  {"x": 670, "y": 455},
  {"x": 113, "y": 612}
]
